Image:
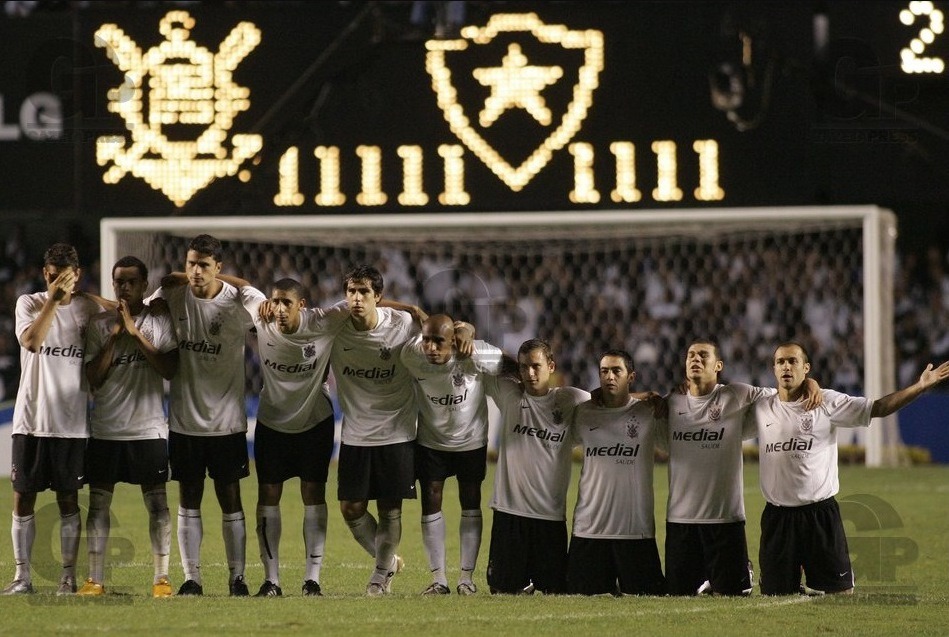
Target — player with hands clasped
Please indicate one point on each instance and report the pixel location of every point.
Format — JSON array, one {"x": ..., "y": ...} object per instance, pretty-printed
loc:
[{"x": 129, "y": 354}]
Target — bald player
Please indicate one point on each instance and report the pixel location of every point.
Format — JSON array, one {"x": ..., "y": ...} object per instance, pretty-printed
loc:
[{"x": 452, "y": 437}]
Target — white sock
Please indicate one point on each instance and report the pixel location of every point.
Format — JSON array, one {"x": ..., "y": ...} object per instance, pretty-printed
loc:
[
  {"x": 315, "y": 518},
  {"x": 159, "y": 530},
  {"x": 70, "y": 530},
  {"x": 364, "y": 530},
  {"x": 190, "y": 533},
  {"x": 235, "y": 543},
  {"x": 433, "y": 538},
  {"x": 470, "y": 529},
  {"x": 269, "y": 526},
  {"x": 23, "y": 532},
  {"x": 98, "y": 523},
  {"x": 388, "y": 536}
]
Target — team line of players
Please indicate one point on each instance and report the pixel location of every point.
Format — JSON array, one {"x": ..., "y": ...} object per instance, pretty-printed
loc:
[{"x": 191, "y": 332}]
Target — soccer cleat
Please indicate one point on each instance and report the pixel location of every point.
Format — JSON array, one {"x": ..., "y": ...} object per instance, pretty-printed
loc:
[
  {"x": 91, "y": 589},
  {"x": 436, "y": 588},
  {"x": 527, "y": 590},
  {"x": 67, "y": 585},
  {"x": 705, "y": 588},
  {"x": 311, "y": 588},
  {"x": 269, "y": 589},
  {"x": 376, "y": 589},
  {"x": 18, "y": 587},
  {"x": 467, "y": 588},
  {"x": 238, "y": 587},
  {"x": 191, "y": 587},
  {"x": 161, "y": 588}
]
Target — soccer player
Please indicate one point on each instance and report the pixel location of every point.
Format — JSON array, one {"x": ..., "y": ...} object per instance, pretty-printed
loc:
[
  {"x": 295, "y": 425},
  {"x": 528, "y": 549},
  {"x": 128, "y": 354},
  {"x": 706, "y": 549},
  {"x": 208, "y": 417},
  {"x": 49, "y": 416},
  {"x": 801, "y": 528},
  {"x": 613, "y": 546},
  {"x": 452, "y": 439},
  {"x": 376, "y": 460}
]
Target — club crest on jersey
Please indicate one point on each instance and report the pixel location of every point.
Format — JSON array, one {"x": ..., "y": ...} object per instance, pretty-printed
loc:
[
  {"x": 807, "y": 423},
  {"x": 148, "y": 334},
  {"x": 557, "y": 416},
  {"x": 309, "y": 350},
  {"x": 385, "y": 353},
  {"x": 715, "y": 411},
  {"x": 215, "y": 328},
  {"x": 632, "y": 428},
  {"x": 458, "y": 379}
]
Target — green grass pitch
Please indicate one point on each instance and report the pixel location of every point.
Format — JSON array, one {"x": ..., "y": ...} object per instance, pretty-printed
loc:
[{"x": 897, "y": 521}]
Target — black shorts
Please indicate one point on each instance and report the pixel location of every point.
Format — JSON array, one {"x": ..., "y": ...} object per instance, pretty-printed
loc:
[
  {"x": 306, "y": 455},
  {"x": 40, "y": 463},
  {"x": 717, "y": 553},
  {"x": 432, "y": 465},
  {"x": 224, "y": 458},
  {"x": 808, "y": 538},
  {"x": 386, "y": 472},
  {"x": 134, "y": 461},
  {"x": 602, "y": 565},
  {"x": 527, "y": 550}
]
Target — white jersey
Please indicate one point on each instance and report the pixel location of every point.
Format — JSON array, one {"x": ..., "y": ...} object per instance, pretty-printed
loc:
[
  {"x": 535, "y": 450},
  {"x": 52, "y": 399},
  {"x": 704, "y": 436},
  {"x": 452, "y": 406},
  {"x": 295, "y": 397},
  {"x": 797, "y": 449},
  {"x": 129, "y": 403},
  {"x": 375, "y": 390},
  {"x": 615, "y": 497},
  {"x": 207, "y": 393}
]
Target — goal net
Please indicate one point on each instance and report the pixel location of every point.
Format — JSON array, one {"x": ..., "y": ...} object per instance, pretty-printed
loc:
[{"x": 645, "y": 281}]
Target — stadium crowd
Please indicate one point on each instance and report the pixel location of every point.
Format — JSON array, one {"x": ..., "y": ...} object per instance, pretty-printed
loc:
[{"x": 661, "y": 306}]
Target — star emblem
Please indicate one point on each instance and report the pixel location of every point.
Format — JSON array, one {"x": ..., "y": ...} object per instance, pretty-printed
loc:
[{"x": 516, "y": 84}]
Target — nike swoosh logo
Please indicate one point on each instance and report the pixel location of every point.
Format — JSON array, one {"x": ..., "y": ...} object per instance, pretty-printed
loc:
[
  {"x": 417, "y": 378},
  {"x": 682, "y": 413},
  {"x": 182, "y": 318},
  {"x": 769, "y": 424},
  {"x": 593, "y": 428},
  {"x": 347, "y": 349},
  {"x": 80, "y": 477}
]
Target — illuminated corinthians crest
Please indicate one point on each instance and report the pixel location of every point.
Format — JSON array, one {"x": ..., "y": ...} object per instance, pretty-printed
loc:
[
  {"x": 190, "y": 91},
  {"x": 516, "y": 83}
]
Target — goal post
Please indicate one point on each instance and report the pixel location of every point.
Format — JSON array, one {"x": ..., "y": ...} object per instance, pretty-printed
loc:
[{"x": 644, "y": 280}]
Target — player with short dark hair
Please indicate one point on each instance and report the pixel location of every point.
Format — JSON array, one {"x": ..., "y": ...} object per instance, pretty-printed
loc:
[
  {"x": 129, "y": 353},
  {"x": 49, "y": 417},
  {"x": 207, "y": 412},
  {"x": 613, "y": 546},
  {"x": 528, "y": 548},
  {"x": 801, "y": 529},
  {"x": 376, "y": 455},
  {"x": 295, "y": 429}
]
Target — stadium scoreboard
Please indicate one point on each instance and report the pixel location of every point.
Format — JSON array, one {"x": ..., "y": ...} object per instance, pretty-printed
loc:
[{"x": 528, "y": 106}]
